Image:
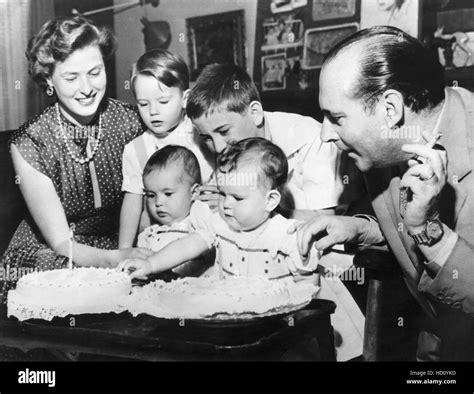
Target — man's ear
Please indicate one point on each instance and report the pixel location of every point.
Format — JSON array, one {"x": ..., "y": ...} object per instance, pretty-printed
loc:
[
  {"x": 256, "y": 111},
  {"x": 185, "y": 98},
  {"x": 195, "y": 192},
  {"x": 392, "y": 107},
  {"x": 273, "y": 199}
]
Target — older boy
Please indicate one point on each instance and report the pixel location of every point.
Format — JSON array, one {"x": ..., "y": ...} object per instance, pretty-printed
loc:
[{"x": 225, "y": 106}]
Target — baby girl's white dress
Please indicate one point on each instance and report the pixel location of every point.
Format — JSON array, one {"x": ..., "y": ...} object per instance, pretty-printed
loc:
[{"x": 156, "y": 237}]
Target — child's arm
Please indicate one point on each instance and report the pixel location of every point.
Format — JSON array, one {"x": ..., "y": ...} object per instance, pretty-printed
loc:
[
  {"x": 172, "y": 255},
  {"x": 130, "y": 214}
]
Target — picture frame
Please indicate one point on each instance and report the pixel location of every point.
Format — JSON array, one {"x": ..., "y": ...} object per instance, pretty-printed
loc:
[
  {"x": 319, "y": 41},
  {"x": 403, "y": 14},
  {"x": 216, "y": 38},
  {"x": 325, "y": 10},
  {"x": 282, "y": 34},
  {"x": 274, "y": 72}
]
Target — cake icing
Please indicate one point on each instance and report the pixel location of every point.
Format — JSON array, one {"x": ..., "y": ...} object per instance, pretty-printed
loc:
[
  {"x": 233, "y": 297},
  {"x": 46, "y": 294}
]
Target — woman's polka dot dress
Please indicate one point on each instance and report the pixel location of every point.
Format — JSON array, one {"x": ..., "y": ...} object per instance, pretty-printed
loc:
[{"x": 42, "y": 144}]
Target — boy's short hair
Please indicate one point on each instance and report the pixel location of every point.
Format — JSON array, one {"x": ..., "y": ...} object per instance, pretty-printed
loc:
[
  {"x": 221, "y": 85},
  {"x": 166, "y": 67},
  {"x": 175, "y": 154},
  {"x": 268, "y": 157}
]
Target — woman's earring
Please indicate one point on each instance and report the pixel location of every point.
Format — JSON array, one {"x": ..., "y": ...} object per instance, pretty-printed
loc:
[{"x": 50, "y": 90}]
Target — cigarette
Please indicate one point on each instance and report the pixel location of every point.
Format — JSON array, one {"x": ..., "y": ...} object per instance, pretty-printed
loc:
[{"x": 430, "y": 144}]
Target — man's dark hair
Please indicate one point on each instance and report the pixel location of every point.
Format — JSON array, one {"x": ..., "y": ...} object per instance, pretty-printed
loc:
[
  {"x": 392, "y": 59},
  {"x": 219, "y": 85},
  {"x": 175, "y": 154}
]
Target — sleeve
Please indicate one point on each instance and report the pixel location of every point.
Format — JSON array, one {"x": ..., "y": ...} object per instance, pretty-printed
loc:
[
  {"x": 452, "y": 284},
  {"x": 32, "y": 148},
  {"x": 201, "y": 222},
  {"x": 438, "y": 254},
  {"x": 374, "y": 234},
  {"x": 131, "y": 171},
  {"x": 322, "y": 183},
  {"x": 142, "y": 241},
  {"x": 133, "y": 122}
]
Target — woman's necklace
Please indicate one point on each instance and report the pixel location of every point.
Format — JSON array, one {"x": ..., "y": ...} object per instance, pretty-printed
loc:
[{"x": 90, "y": 154}]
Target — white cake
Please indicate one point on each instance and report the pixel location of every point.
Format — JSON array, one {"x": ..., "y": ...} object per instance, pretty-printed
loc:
[
  {"x": 201, "y": 298},
  {"x": 46, "y": 294}
]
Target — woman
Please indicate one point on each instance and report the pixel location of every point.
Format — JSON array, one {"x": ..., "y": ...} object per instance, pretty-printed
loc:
[{"x": 68, "y": 159}]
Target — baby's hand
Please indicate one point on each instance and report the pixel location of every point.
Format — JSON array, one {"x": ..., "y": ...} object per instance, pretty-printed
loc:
[
  {"x": 209, "y": 194},
  {"x": 136, "y": 268}
]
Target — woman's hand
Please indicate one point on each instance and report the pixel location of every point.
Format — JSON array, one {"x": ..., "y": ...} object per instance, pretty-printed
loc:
[
  {"x": 136, "y": 267},
  {"x": 128, "y": 253}
]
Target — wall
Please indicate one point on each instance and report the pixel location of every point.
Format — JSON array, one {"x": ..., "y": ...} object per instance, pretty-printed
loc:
[{"x": 128, "y": 29}]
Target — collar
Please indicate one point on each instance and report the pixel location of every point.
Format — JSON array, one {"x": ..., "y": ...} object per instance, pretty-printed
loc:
[
  {"x": 453, "y": 125},
  {"x": 290, "y": 146}
]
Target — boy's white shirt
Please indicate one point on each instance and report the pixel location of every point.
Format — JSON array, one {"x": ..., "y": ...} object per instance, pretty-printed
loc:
[
  {"x": 314, "y": 166},
  {"x": 183, "y": 135}
]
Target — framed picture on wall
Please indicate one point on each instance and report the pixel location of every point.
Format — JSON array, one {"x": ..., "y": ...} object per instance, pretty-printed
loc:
[
  {"x": 282, "y": 34},
  {"x": 403, "y": 14},
  {"x": 319, "y": 41},
  {"x": 216, "y": 38},
  {"x": 273, "y": 72},
  {"x": 324, "y": 10}
]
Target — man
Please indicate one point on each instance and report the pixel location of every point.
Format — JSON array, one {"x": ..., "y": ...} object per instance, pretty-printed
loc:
[{"x": 385, "y": 104}]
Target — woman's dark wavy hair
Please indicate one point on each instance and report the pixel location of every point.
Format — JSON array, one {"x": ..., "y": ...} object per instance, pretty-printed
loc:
[
  {"x": 221, "y": 84},
  {"x": 166, "y": 67},
  {"x": 59, "y": 38},
  {"x": 270, "y": 159},
  {"x": 392, "y": 59}
]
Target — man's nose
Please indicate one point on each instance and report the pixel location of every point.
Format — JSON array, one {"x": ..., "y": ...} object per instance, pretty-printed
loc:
[{"x": 328, "y": 133}]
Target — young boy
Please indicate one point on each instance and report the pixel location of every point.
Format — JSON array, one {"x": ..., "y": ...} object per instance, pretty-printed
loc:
[
  {"x": 225, "y": 106},
  {"x": 160, "y": 82}
]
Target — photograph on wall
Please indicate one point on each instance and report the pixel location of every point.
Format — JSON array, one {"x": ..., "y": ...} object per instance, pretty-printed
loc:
[
  {"x": 278, "y": 6},
  {"x": 282, "y": 33},
  {"x": 319, "y": 41},
  {"x": 398, "y": 13},
  {"x": 324, "y": 10},
  {"x": 217, "y": 38},
  {"x": 273, "y": 72}
]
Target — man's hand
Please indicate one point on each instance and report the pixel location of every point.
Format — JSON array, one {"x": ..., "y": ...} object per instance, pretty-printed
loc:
[
  {"x": 426, "y": 179},
  {"x": 137, "y": 268},
  {"x": 326, "y": 231},
  {"x": 209, "y": 194}
]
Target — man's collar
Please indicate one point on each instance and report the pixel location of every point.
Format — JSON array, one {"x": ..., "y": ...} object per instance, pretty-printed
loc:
[{"x": 454, "y": 128}]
